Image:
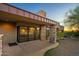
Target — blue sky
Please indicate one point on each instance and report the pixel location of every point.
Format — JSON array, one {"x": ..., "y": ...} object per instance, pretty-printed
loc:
[{"x": 54, "y": 11}]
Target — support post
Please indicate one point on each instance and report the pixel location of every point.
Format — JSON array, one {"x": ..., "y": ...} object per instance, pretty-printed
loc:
[
  {"x": 43, "y": 33},
  {"x": 53, "y": 36}
]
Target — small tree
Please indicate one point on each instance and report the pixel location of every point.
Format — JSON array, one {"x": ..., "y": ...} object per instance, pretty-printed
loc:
[{"x": 72, "y": 20}]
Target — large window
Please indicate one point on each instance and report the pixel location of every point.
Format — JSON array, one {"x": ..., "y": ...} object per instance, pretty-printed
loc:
[
  {"x": 22, "y": 34},
  {"x": 31, "y": 33},
  {"x": 23, "y": 30},
  {"x": 37, "y": 33},
  {"x": 28, "y": 33}
]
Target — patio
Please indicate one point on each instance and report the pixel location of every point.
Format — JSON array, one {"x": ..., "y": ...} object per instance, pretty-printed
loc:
[{"x": 32, "y": 48}]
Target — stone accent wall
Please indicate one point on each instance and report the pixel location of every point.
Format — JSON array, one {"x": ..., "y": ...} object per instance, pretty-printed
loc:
[
  {"x": 9, "y": 32},
  {"x": 43, "y": 33},
  {"x": 9, "y": 36}
]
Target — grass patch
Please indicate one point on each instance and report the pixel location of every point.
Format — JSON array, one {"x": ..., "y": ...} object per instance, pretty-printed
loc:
[{"x": 51, "y": 52}]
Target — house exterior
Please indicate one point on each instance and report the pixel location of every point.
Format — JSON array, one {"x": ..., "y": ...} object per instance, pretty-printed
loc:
[{"x": 18, "y": 25}]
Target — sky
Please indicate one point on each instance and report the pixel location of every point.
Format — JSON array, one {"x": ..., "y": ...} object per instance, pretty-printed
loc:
[{"x": 54, "y": 11}]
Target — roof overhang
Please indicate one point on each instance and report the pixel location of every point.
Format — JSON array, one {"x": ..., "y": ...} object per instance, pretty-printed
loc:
[
  {"x": 4, "y": 16},
  {"x": 14, "y": 14}
]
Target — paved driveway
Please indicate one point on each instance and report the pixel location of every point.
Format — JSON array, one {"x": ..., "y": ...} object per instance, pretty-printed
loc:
[{"x": 67, "y": 47}]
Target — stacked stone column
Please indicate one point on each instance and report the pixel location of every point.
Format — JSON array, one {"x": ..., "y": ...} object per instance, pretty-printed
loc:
[
  {"x": 53, "y": 34},
  {"x": 43, "y": 33}
]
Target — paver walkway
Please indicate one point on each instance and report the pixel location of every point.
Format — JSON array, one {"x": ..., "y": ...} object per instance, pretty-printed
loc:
[
  {"x": 67, "y": 47},
  {"x": 26, "y": 48}
]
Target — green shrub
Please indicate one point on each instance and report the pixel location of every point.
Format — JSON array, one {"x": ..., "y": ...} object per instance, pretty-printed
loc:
[{"x": 60, "y": 35}]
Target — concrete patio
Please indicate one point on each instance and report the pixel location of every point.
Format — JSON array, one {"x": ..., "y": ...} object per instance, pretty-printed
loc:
[{"x": 32, "y": 48}]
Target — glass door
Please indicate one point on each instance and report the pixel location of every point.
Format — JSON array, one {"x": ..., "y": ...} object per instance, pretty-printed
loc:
[
  {"x": 37, "y": 32},
  {"x": 47, "y": 33},
  {"x": 23, "y": 34},
  {"x": 31, "y": 33},
  {"x": 28, "y": 33}
]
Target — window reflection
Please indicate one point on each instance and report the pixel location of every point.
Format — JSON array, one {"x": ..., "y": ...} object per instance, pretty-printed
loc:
[
  {"x": 31, "y": 33},
  {"x": 23, "y": 30},
  {"x": 37, "y": 33},
  {"x": 31, "y": 30},
  {"x": 47, "y": 32}
]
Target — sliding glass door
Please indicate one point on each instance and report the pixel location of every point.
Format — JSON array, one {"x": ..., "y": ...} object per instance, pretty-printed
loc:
[
  {"x": 37, "y": 37},
  {"x": 31, "y": 33},
  {"x": 28, "y": 33},
  {"x": 34, "y": 33},
  {"x": 23, "y": 34}
]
